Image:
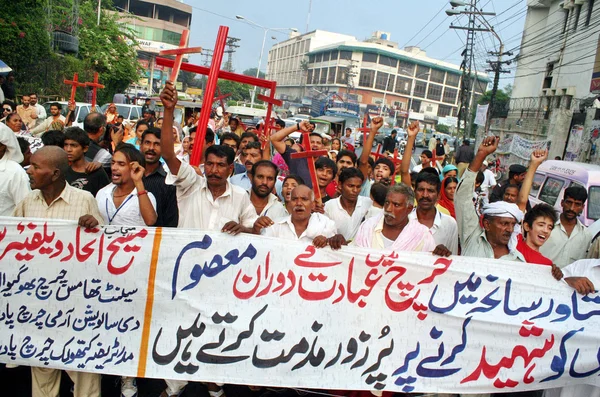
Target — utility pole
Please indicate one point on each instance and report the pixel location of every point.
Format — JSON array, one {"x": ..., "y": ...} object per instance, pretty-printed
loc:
[
  {"x": 496, "y": 67},
  {"x": 231, "y": 46}
]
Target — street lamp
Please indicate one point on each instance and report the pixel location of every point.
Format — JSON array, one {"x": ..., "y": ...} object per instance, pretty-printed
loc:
[{"x": 240, "y": 17}]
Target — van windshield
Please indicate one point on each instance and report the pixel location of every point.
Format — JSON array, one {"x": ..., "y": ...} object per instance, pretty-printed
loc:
[{"x": 594, "y": 203}]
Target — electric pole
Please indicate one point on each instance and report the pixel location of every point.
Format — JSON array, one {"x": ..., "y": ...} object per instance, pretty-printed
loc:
[
  {"x": 231, "y": 46},
  {"x": 496, "y": 67}
]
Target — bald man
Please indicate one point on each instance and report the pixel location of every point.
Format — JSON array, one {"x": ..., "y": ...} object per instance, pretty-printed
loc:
[{"x": 53, "y": 198}]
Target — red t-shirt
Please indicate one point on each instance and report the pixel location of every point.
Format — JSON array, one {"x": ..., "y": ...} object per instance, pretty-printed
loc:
[{"x": 531, "y": 255}]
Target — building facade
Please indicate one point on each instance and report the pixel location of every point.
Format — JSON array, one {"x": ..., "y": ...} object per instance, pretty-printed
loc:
[
  {"x": 553, "y": 93},
  {"x": 405, "y": 82},
  {"x": 158, "y": 25}
]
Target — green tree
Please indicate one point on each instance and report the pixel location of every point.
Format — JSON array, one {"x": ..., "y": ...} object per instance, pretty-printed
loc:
[
  {"x": 444, "y": 129},
  {"x": 252, "y": 72},
  {"x": 238, "y": 91}
]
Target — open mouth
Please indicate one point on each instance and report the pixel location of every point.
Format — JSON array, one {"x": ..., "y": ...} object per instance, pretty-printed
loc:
[{"x": 542, "y": 237}]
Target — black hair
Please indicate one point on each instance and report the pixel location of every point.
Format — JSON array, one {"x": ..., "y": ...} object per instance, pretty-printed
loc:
[
  {"x": 231, "y": 136},
  {"x": 264, "y": 163},
  {"x": 10, "y": 103},
  {"x": 448, "y": 180},
  {"x": 511, "y": 186},
  {"x": 131, "y": 153},
  {"x": 350, "y": 172},
  {"x": 140, "y": 123},
  {"x": 11, "y": 115},
  {"x": 291, "y": 140},
  {"x": 316, "y": 134},
  {"x": 58, "y": 105},
  {"x": 78, "y": 135},
  {"x": 23, "y": 144},
  {"x": 538, "y": 211},
  {"x": 297, "y": 178},
  {"x": 512, "y": 174},
  {"x": 151, "y": 131},
  {"x": 576, "y": 193},
  {"x": 249, "y": 135},
  {"x": 221, "y": 151},
  {"x": 54, "y": 138},
  {"x": 379, "y": 192},
  {"x": 280, "y": 123},
  {"x": 430, "y": 170},
  {"x": 393, "y": 132},
  {"x": 210, "y": 136},
  {"x": 427, "y": 153},
  {"x": 479, "y": 178},
  {"x": 430, "y": 179},
  {"x": 346, "y": 153},
  {"x": 93, "y": 122},
  {"x": 325, "y": 162},
  {"x": 386, "y": 161}
]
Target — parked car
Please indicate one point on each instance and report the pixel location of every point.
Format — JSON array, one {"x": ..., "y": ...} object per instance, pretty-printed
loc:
[
  {"x": 420, "y": 140},
  {"x": 554, "y": 176},
  {"x": 82, "y": 109},
  {"x": 130, "y": 113}
]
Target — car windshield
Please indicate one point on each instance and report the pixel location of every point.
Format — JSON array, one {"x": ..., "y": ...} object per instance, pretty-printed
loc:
[{"x": 121, "y": 110}]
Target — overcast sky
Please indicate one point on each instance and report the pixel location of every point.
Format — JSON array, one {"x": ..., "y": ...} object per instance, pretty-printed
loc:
[{"x": 423, "y": 23}]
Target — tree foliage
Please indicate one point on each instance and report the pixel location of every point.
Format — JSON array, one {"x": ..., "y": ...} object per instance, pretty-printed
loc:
[
  {"x": 252, "y": 72},
  {"x": 442, "y": 128},
  {"x": 107, "y": 48}
]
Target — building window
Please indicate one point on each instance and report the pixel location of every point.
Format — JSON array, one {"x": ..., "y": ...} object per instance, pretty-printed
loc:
[
  {"x": 309, "y": 76},
  {"x": 590, "y": 8},
  {"x": 323, "y": 78},
  {"x": 369, "y": 57},
  {"x": 387, "y": 61},
  {"x": 334, "y": 55},
  {"x": 366, "y": 78},
  {"x": 449, "y": 95},
  {"x": 437, "y": 76},
  {"x": 577, "y": 14},
  {"x": 406, "y": 68},
  {"x": 403, "y": 85},
  {"x": 415, "y": 106},
  {"x": 452, "y": 79},
  {"x": 420, "y": 89},
  {"x": 434, "y": 92},
  {"x": 342, "y": 75},
  {"x": 444, "y": 111},
  {"x": 480, "y": 86},
  {"x": 381, "y": 81},
  {"x": 346, "y": 55},
  {"x": 331, "y": 76},
  {"x": 566, "y": 21},
  {"x": 422, "y": 72},
  {"x": 548, "y": 78},
  {"x": 316, "y": 76},
  {"x": 319, "y": 58},
  {"x": 311, "y": 58}
]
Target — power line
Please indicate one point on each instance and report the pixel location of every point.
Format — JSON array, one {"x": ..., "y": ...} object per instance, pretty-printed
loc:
[{"x": 427, "y": 24}]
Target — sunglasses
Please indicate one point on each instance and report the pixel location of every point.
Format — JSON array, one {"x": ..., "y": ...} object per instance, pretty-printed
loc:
[{"x": 7, "y": 109}]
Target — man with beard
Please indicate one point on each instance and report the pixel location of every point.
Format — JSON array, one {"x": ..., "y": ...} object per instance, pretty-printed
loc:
[
  {"x": 348, "y": 210},
  {"x": 94, "y": 125},
  {"x": 304, "y": 225},
  {"x": 251, "y": 154},
  {"x": 47, "y": 123},
  {"x": 443, "y": 227},
  {"x": 491, "y": 237},
  {"x": 570, "y": 239},
  {"x": 154, "y": 180},
  {"x": 263, "y": 175},
  {"x": 393, "y": 229}
]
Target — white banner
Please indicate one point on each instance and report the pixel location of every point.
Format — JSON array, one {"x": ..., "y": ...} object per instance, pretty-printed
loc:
[
  {"x": 185, "y": 304},
  {"x": 481, "y": 115}
]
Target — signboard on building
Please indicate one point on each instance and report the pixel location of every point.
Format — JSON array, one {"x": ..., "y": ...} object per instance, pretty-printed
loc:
[
  {"x": 153, "y": 46},
  {"x": 481, "y": 114},
  {"x": 448, "y": 121},
  {"x": 595, "y": 86}
]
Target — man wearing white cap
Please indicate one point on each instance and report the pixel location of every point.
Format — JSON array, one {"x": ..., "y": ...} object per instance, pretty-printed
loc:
[
  {"x": 15, "y": 182},
  {"x": 489, "y": 180},
  {"x": 491, "y": 237}
]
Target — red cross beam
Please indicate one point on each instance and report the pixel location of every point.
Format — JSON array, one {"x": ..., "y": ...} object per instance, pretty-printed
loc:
[
  {"x": 74, "y": 84},
  {"x": 220, "y": 98},
  {"x": 311, "y": 156},
  {"x": 270, "y": 101},
  {"x": 365, "y": 127},
  {"x": 95, "y": 85},
  {"x": 214, "y": 73},
  {"x": 377, "y": 153},
  {"x": 179, "y": 53}
]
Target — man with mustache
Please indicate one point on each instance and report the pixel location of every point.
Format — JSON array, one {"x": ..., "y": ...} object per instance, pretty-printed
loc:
[
  {"x": 251, "y": 153},
  {"x": 570, "y": 239},
  {"x": 304, "y": 225},
  {"x": 491, "y": 237},
  {"x": 264, "y": 175},
  {"x": 154, "y": 180},
  {"x": 393, "y": 230},
  {"x": 443, "y": 227}
]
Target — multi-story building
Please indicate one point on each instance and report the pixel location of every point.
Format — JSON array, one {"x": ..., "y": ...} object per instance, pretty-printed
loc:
[
  {"x": 407, "y": 82},
  {"x": 158, "y": 25},
  {"x": 554, "y": 77}
]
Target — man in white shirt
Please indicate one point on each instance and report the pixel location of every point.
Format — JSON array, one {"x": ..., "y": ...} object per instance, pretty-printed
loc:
[
  {"x": 302, "y": 225},
  {"x": 41, "y": 111},
  {"x": 15, "y": 182},
  {"x": 55, "y": 116},
  {"x": 489, "y": 180},
  {"x": 347, "y": 139},
  {"x": 443, "y": 227},
  {"x": 426, "y": 156},
  {"x": 570, "y": 239},
  {"x": 348, "y": 211},
  {"x": 263, "y": 176}
]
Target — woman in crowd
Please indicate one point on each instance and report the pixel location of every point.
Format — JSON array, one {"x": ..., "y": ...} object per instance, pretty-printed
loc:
[
  {"x": 446, "y": 200},
  {"x": 7, "y": 108},
  {"x": 289, "y": 183},
  {"x": 15, "y": 123},
  {"x": 111, "y": 114},
  {"x": 184, "y": 152},
  {"x": 449, "y": 171},
  {"x": 336, "y": 144}
]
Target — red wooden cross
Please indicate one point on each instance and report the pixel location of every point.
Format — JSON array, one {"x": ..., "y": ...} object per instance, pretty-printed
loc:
[
  {"x": 95, "y": 85},
  {"x": 74, "y": 84},
  {"x": 270, "y": 100},
  {"x": 214, "y": 73},
  {"x": 377, "y": 153},
  {"x": 365, "y": 127},
  {"x": 220, "y": 98},
  {"x": 179, "y": 52},
  {"x": 311, "y": 156}
]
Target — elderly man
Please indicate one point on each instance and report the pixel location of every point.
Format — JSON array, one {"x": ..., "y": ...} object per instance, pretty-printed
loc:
[
  {"x": 54, "y": 198},
  {"x": 304, "y": 225},
  {"x": 491, "y": 238},
  {"x": 15, "y": 184},
  {"x": 393, "y": 229}
]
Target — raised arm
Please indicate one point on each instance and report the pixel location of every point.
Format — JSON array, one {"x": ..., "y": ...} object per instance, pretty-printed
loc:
[
  {"x": 363, "y": 162},
  {"x": 168, "y": 97},
  {"x": 278, "y": 138},
  {"x": 537, "y": 158},
  {"x": 412, "y": 131},
  {"x": 147, "y": 210}
]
